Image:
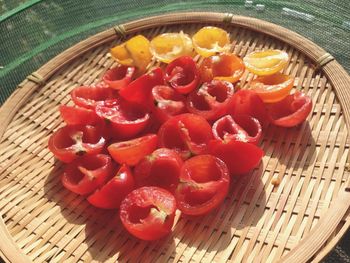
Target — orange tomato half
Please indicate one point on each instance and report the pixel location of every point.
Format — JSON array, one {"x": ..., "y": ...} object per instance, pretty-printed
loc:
[{"x": 272, "y": 88}]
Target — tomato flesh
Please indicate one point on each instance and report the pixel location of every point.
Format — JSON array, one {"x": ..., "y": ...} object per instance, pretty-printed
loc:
[
  {"x": 186, "y": 133},
  {"x": 89, "y": 96},
  {"x": 126, "y": 119},
  {"x": 291, "y": 111},
  {"x": 70, "y": 142},
  {"x": 223, "y": 66},
  {"x": 132, "y": 151},
  {"x": 211, "y": 100},
  {"x": 182, "y": 74},
  {"x": 119, "y": 77},
  {"x": 78, "y": 115},
  {"x": 272, "y": 88},
  {"x": 204, "y": 184},
  {"x": 168, "y": 102},
  {"x": 241, "y": 128},
  {"x": 139, "y": 91},
  {"x": 86, "y": 174},
  {"x": 148, "y": 212},
  {"x": 110, "y": 195},
  {"x": 240, "y": 157},
  {"x": 160, "y": 168}
]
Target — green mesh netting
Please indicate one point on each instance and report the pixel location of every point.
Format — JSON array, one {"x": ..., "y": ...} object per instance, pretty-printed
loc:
[{"x": 32, "y": 32}]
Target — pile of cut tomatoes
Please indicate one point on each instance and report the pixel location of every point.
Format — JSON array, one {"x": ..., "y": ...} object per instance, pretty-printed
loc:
[{"x": 172, "y": 138}]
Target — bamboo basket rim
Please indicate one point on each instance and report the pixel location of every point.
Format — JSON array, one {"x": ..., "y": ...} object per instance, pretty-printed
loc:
[{"x": 334, "y": 72}]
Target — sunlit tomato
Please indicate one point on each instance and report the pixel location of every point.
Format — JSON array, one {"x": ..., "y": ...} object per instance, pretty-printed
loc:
[
  {"x": 160, "y": 168},
  {"x": 110, "y": 195},
  {"x": 247, "y": 102},
  {"x": 186, "y": 133},
  {"x": 242, "y": 128},
  {"x": 126, "y": 119},
  {"x": 70, "y": 142},
  {"x": 204, "y": 183},
  {"x": 167, "y": 102},
  {"x": 119, "y": 77},
  {"x": 240, "y": 157},
  {"x": 78, "y": 115},
  {"x": 89, "y": 96},
  {"x": 148, "y": 213},
  {"x": 210, "y": 40},
  {"x": 290, "y": 111},
  {"x": 272, "y": 88},
  {"x": 132, "y": 151},
  {"x": 139, "y": 91},
  {"x": 169, "y": 46},
  {"x": 211, "y": 100},
  {"x": 86, "y": 174},
  {"x": 266, "y": 62},
  {"x": 224, "y": 66},
  {"x": 133, "y": 52},
  {"x": 182, "y": 74}
]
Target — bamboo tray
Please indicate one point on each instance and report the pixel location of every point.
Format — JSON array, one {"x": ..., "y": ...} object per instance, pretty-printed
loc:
[{"x": 298, "y": 221}]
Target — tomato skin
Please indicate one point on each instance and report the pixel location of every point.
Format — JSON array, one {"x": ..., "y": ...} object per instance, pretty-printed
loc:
[
  {"x": 168, "y": 102},
  {"x": 291, "y": 111},
  {"x": 148, "y": 212},
  {"x": 247, "y": 102},
  {"x": 186, "y": 133},
  {"x": 119, "y": 77},
  {"x": 139, "y": 91},
  {"x": 204, "y": 184},
  {"x": 86, "y": 174},
  {"x": 211, "y": 100},
  {"x": 241, "y": 128},
  {"x": 132, "y": 151},
  {"x": 78, "y": 115},
  {"x": 70, "y": 142},
  {"x": 182, "y": 74},
  {"x": 110, "y": 195},
  {"x": 240, "y": 157},
  {"x": 223, "y": 66},
  {"x": 272, "y": 88},
  {"x": 89, "y": 96},
  {"x": 125, "y": 118},
  {"x": 161, "y": 168}
]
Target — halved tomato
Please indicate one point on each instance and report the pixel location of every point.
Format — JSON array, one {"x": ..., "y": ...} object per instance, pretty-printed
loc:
[
  {"x": 119, "y": 77},
  {"x": 204, "y": 184},
  {"x": 86, "y": 174},
  {"x": 73, "y": 115},
  {"x": 70, "y": 142}
]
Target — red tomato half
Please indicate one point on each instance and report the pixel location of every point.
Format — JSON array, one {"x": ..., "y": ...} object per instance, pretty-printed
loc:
[
  {"x": 290, "y": 111},
  {"x": 211, "y": 100},
  {"x": 70, "y": 142},
  {"x": 132, "y": 151},
  {"x": 139, "y": 91},
  {"x": 78, "y": 115},
  {"x": 110, "y": 195},
  {"x": 168, "y": 102},
  {"x": 187, "y": 134},
  {"x": 241, "y": 128},
  {"x": 224, "y": 66},
  {"x": 89, "y": 96},
  {"x": 161, "y": 168},
  {"x": 240, "y": 157},
  {"x": 86, "y": 174},
  {"x": 148, "y": 213},
  {"x": 119, "y": 77},
  {"x": 127, "y": 119},
  {"x": 204, "y": 183},
  {"x": 247, "y": 102},
  {"x": 182, "y": 74}
]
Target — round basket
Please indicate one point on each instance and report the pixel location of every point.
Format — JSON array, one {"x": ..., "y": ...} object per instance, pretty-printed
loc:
[{"x": 299, "y": 220}]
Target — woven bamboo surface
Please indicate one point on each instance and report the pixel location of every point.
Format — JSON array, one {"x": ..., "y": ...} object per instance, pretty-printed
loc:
[{"x": 299, "y": 220}]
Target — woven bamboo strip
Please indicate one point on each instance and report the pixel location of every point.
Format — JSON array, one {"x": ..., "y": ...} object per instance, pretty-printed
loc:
[{"x": 257, "y": 221}]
